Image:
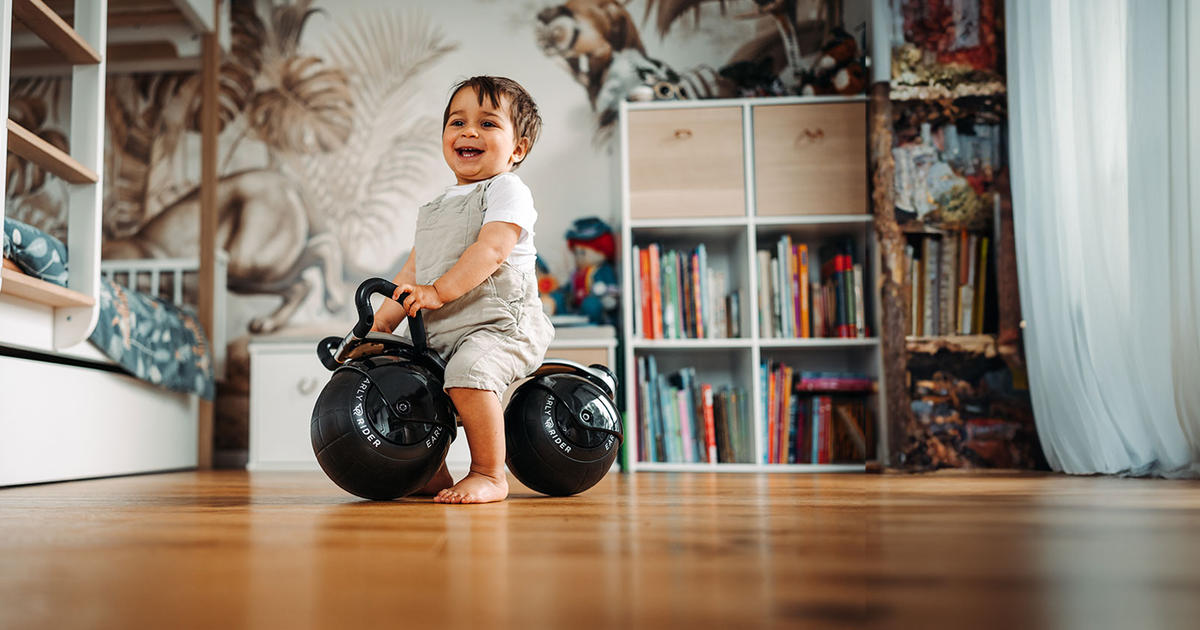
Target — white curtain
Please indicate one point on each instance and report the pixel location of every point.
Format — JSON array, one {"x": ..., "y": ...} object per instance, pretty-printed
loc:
[{"x": 1105, "y": 138}]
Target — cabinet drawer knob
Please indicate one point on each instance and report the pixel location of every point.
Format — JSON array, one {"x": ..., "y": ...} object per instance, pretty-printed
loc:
[
  {"x": 810, "y": 135},
  {"x": 683, "y": 134},
  {"x": 307, "y": 386}
]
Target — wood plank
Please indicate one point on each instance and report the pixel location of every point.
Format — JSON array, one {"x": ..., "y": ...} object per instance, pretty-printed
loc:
[
  {"x": 891, "y": 288},
  {"x": 20, "y": 285},
  {"x": 209, "y": 128},
  {"x": 648, "y": 550},
  {"x": 642, "y": 551},
  {"x": 53, "y": 30},
  {"x": 28, "y": 145}
]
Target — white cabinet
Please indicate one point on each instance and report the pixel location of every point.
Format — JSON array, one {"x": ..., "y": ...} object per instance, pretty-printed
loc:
[{"x": 286, "y": 378}]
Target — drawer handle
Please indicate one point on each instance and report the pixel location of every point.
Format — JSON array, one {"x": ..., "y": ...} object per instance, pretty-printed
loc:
[
  {"x": 683, "y": 134},
  {"x": 307, "y": 386},
  {"x": 810, "y": 135}
]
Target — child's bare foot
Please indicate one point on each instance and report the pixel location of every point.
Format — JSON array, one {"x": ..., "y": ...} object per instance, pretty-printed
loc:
[
  {"x": 475, "y": 488},
  {"x": 441, "y": 480}
]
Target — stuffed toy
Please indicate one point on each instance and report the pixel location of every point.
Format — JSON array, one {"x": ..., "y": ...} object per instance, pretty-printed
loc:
[
  {"x": 547, "y": 286},
  {"x": 838, "y": 69},
  {"x": 592, "y": 289}
]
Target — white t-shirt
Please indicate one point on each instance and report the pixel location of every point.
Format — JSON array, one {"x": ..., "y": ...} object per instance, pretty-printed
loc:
[{"x": 509, "y": 200}]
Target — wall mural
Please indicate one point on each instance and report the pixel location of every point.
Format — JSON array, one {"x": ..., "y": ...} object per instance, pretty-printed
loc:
[
  {"x": 329, "y": 143},
  {"x": 601, "y": 46}
]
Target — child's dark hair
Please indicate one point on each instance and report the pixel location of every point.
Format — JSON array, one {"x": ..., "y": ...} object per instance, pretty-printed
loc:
[{"x": 526, "y": 121}]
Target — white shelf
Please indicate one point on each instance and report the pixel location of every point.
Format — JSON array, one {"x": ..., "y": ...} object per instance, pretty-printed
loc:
[
  {"x": 740, "y": 102},
  {"x": 699, "y": 222},
  {"x": 75, "y": 309},
  {"x": 821, "y": 342},
  {"x": 751, "y": 468},
  {"x": 690, "y": 344},
  {"x": 732, "y": 244},
  {"x": 815, "y": 219}
]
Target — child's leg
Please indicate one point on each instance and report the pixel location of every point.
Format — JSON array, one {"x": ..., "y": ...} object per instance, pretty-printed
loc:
[{"x": 483, "y": 420}]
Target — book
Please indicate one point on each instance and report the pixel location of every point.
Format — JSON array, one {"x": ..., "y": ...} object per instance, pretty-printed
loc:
[
  {"x": 710, "y": 433},
  {"x": 784, "y": 412},
  {"x": 635, "y": 255},
  {"x": 932, "y": 271},
  {"x": 860, "y": 318},
  {"x": 980, "y": 293},
  {"x": 947, "y": 287},
  {"x": 772, "y": 382},
  {"x": 776, "y": 305},
  {"x": 764, "y": 294},
  {"x": 968, "y": 292},
  {"x": 656, "y": 307},
  {"x": 735, "y": 315},
  {"x": 687, "y": 439},
  {"x": 846, "y": 266},
  {"x": 802, "y": 289},
  {"x": 721, "y": 427},
  {"x": 914, "y": 298},
  {"x": 703, "y": 278},
  {"x": 964, "y": 270},
  {"x": 697, "y": 296}
]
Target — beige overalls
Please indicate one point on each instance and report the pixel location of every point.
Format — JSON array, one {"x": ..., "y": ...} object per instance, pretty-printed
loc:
[{"x": 494, "y": 334}]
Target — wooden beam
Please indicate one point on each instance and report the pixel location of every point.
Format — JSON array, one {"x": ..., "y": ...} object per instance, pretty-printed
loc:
[
  {"x": 894, "y": 315},
  {"x": 28, "y": 145},
  {"x": 209, "y": 127},
  {"x": 194, "y": 12},
  {"x": 20, "y": 285},
  {"x": 117, "y": 53},
  {"x": 54, "y": 31}
]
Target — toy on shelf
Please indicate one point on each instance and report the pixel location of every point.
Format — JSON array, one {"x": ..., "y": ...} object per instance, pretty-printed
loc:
[
  {"x": 839, "y": 69},
  {"x": 547, "y": 286},
  {"x": 592, "y": 289}
]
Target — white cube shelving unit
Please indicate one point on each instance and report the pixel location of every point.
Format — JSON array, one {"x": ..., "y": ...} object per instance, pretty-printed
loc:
[{"x": 702, "y": 172}]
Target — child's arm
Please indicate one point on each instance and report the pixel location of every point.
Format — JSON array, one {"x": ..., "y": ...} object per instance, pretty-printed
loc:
[
  {"x": 390, "y": 312},
  {"x": 496, "y": 241}
]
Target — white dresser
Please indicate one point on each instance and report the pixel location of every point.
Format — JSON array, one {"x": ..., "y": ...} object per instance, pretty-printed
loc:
[{"x": 286, "y": 377}]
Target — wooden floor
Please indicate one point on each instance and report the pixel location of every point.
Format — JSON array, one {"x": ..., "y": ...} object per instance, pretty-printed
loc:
[{"x": 654, "y": 550}]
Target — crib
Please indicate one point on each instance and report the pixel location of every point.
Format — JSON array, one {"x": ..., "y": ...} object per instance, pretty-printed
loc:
[{"x": 72, "y": 413}]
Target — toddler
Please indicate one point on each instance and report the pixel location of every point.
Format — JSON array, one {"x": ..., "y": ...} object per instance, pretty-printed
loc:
[{"x": 472, "y": 272}]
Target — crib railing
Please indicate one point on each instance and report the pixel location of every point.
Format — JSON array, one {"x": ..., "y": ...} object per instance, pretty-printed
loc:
[{"x": 165, "y": 278}]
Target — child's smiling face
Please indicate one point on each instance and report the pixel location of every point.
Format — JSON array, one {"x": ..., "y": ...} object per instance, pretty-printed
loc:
[{"x": 478, "y": 141}]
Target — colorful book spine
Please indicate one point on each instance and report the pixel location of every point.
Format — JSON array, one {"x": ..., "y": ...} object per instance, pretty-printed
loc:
[
  {"x": 802, "y": 289},
  {"x": 710, "y": 429},
  {"x": 656, "y": 307}
]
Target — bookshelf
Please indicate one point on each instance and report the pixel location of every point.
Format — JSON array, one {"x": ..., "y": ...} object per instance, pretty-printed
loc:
[{"x": 689, "y": 176}]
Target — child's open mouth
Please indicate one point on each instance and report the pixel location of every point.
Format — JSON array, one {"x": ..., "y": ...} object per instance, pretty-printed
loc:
[{"x": 468, "y": 152}]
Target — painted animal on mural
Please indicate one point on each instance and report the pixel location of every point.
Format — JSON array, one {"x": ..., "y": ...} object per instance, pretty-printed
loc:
[
  {"x": 263, "y": 226},
  {"x": 600, "y": 43},
  {"x": 601, "y": 46}
]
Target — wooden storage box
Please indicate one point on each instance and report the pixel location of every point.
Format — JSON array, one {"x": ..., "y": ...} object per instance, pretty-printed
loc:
[
  {"x": 810, "y": 159},
  {"x": 686, "y": 163}
]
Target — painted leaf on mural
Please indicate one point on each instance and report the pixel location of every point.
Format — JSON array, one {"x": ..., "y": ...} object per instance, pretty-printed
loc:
[
  {"x": 309, "y": 109},
  {"x": 355, "y": 191}
]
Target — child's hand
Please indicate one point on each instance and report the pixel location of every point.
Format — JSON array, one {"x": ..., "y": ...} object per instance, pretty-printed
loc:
[{"x": 420, "y": 296}]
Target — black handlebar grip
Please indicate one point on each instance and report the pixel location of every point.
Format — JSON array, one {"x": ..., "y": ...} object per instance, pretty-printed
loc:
[
  {"x": 366, "y": 315},
  {"x": 327, "y": 352}
]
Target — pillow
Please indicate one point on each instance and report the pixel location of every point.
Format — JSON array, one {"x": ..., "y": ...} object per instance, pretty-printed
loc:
[{"x": 37, "y": 253}]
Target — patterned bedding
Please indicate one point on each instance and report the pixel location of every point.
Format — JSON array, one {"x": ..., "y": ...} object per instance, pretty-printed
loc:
[{"x": 153, "y": 339}]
